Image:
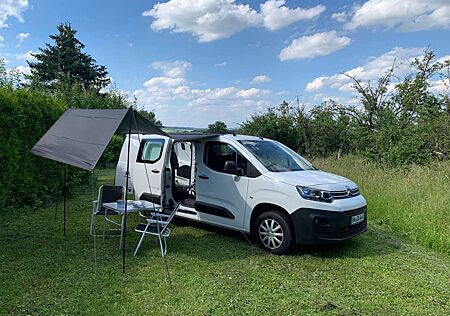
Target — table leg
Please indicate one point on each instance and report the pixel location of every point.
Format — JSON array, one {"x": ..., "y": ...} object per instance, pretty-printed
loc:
[{"x": 122, "y": 228}]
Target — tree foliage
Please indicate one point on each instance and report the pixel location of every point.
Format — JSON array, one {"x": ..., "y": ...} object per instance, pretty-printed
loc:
[
  {"x": 149, "y": 115},
  {"x": 400, "y": 122},
  {"x": 64, "y": 62},
  {"x": 26, "y": 179},
  {"x": 319, "y": 132},
  {"x": 218, "y": 127}
]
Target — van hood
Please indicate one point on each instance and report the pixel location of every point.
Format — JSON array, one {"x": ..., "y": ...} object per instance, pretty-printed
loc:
[{"x": 312, "y": 178}]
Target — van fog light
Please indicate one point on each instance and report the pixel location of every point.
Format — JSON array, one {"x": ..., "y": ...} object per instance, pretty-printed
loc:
[{"x": 315, "y": 194}]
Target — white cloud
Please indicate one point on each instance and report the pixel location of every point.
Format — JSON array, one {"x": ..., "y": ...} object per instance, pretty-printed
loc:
[
  {"x": 317, "y": 83},
  {"x": 372, "y": 70},
  {"x": 444, "y": 58},
  {"x": 210, "y": 20},
  {"x": 321, "y": 97},
  {"x": 250, "y": 93},
  {"x": 222, "y": 64},
  {"x": 22, "y": 36},
  {"x": 13, "y": 8},
  {"x": 155, "y": 83},
  {"x": 26, "y": 56},
  {"x": 173, "y": 69},
  {"x": 404, "y": 15},
  {"x": 440, "y": 86},
  {"x": 177, "y": 101},
  {"x": 319, "y": 44},
  {"x": 23, "y": 70},
  {"x": 260, "y": 79},
  {"x": 277, "y": 16},
  {"x": 340, "y": 16}
]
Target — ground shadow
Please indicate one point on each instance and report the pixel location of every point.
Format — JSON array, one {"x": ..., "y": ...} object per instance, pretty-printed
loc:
[{"x": 377, "y": 241}]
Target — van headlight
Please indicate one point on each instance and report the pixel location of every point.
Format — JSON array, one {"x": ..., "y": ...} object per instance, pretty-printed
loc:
[{"x": 315, "y": 194}]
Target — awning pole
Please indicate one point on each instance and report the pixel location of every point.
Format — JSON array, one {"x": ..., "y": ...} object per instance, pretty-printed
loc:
[
  {"x": 60, "y": 191},
  {"x": 126, "y": 196},
  {"x": 65, "y": 189}
]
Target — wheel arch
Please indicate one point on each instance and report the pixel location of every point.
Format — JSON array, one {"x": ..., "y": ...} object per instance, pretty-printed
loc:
[{"x": 265, "y": 207}]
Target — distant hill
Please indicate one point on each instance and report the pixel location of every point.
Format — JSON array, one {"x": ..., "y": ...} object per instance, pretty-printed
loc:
[{"x": 177, "y": 129}]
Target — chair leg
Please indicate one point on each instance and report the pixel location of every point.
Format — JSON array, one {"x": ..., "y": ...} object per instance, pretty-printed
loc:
[
  {"x": 93, "y": 224},
  {"x": 95, "y": 250},
  {"x": 140, "y": 241},
  {"x": 162, "y": 247},
  {"x": 165, "y": 245},
  {"x": 104, "y": 227}
]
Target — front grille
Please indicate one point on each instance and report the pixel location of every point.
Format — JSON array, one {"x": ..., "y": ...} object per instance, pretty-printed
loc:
[
  {"x": 342, "y": 232},
  {"x": 323, "y": 227},
  {"x": 345, "y": 194},
  {"x": 331, "y": 229},
  {"x": 355, "y": 211}
]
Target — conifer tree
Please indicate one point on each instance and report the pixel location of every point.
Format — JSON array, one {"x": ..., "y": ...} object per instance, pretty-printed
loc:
[{"x": 64, "y": 62}]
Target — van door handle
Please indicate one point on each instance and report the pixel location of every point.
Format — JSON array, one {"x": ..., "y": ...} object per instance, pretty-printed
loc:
[
  {"x": 155, "y": 171},
  {"x": 204, "y": 177}
]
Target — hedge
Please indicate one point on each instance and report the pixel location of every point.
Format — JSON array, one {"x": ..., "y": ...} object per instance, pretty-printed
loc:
[{"x": 25, "y": 179}]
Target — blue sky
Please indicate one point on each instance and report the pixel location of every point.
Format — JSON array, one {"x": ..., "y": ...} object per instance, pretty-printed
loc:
[{"x": 195, "y": 62}]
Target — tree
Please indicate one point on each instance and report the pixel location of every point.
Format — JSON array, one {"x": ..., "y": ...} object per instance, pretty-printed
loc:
[
  {"x": 149, "y": 115},
  {"x": 285, "y": 123},
  {"x": 405, "y": 122},
  {"x": 65, "y": 63},
  {"x": 218, "y": 127},
  {"x": 8, "y": 78}
]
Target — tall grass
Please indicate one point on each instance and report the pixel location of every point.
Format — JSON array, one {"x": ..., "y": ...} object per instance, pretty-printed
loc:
[{"x": 414, "y": 201}]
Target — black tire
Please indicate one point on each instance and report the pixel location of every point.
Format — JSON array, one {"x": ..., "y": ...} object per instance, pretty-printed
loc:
[{"x": 267, "y": 229}]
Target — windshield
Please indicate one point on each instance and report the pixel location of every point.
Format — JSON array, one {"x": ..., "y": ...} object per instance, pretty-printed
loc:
[{"x": 276, "y": 157}]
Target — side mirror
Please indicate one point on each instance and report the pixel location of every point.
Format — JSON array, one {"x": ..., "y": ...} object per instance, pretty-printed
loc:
[{"x": 231, "y": 168}]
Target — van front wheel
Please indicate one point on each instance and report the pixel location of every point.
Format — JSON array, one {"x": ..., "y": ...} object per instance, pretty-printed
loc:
[{"x": 273, "y": 232}]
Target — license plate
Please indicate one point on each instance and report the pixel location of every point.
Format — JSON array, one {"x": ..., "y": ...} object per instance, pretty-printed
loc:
[{"x": 356, "y": 219}]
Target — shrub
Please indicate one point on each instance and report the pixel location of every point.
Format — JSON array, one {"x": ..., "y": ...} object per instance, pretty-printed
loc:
[{"x": 24, "y": 178}]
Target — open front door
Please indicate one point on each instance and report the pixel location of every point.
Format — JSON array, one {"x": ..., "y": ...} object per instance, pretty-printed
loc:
[
  {"x": 150, "y": 162},
  {"x": 221, "y": 197}
]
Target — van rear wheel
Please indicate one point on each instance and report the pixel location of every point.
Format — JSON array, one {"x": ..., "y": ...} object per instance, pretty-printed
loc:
[{"x": 273, "y": 232}]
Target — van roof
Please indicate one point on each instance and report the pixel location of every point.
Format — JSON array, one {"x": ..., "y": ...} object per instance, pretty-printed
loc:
[
  {"x": 242, "y": 137},
  {"x": 198, "y": 136}
]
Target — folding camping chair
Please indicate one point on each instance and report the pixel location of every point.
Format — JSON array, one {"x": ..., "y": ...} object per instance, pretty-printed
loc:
[
  {"x": 106, "y": 194},
  {"x": 157, "y": 225}
]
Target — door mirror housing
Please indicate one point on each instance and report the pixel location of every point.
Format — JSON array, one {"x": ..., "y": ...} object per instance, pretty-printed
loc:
[{"x": 231, "y": 168}]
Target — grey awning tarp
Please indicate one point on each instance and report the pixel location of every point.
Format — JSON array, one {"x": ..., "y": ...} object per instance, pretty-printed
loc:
[
  {"x": 80, "y": 136},
  {"x": 187, "y": 137}
]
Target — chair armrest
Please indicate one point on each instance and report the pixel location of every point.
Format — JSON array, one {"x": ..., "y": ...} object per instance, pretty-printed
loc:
[
  {"x": 94, "y": 206},
  {"x": 154, "y": 221},
  {"x": 160, "y": 214}
]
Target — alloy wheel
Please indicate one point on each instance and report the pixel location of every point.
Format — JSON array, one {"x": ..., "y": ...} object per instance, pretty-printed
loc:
[{"x": 271, "y": 233}]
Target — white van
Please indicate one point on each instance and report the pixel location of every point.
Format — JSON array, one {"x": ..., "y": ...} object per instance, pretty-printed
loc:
[{"x": 250, "y": 184}]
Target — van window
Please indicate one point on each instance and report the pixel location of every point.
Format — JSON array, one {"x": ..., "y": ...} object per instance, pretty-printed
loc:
[
  {"x": 276, "y": 157},
  {"x": 150, "y": 150},
  {"x": 217, "y": 153}
]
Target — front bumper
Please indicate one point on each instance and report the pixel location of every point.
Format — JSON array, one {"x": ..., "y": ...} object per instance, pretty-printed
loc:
[{"x": 314, "y": 226}]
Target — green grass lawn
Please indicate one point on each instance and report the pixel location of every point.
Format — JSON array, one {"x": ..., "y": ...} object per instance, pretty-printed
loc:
[
  {"x": 214, "y": 272},
  {"x": 414, "y": 202}
]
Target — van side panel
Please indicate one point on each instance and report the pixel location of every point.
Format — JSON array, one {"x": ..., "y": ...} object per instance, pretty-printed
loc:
[
  {"x": 266, "y": 190},
  {"x": 121, "y": 168}
]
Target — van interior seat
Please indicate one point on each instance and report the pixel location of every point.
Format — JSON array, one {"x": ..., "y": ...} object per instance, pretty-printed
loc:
[{"x": 184, "y": 171}]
